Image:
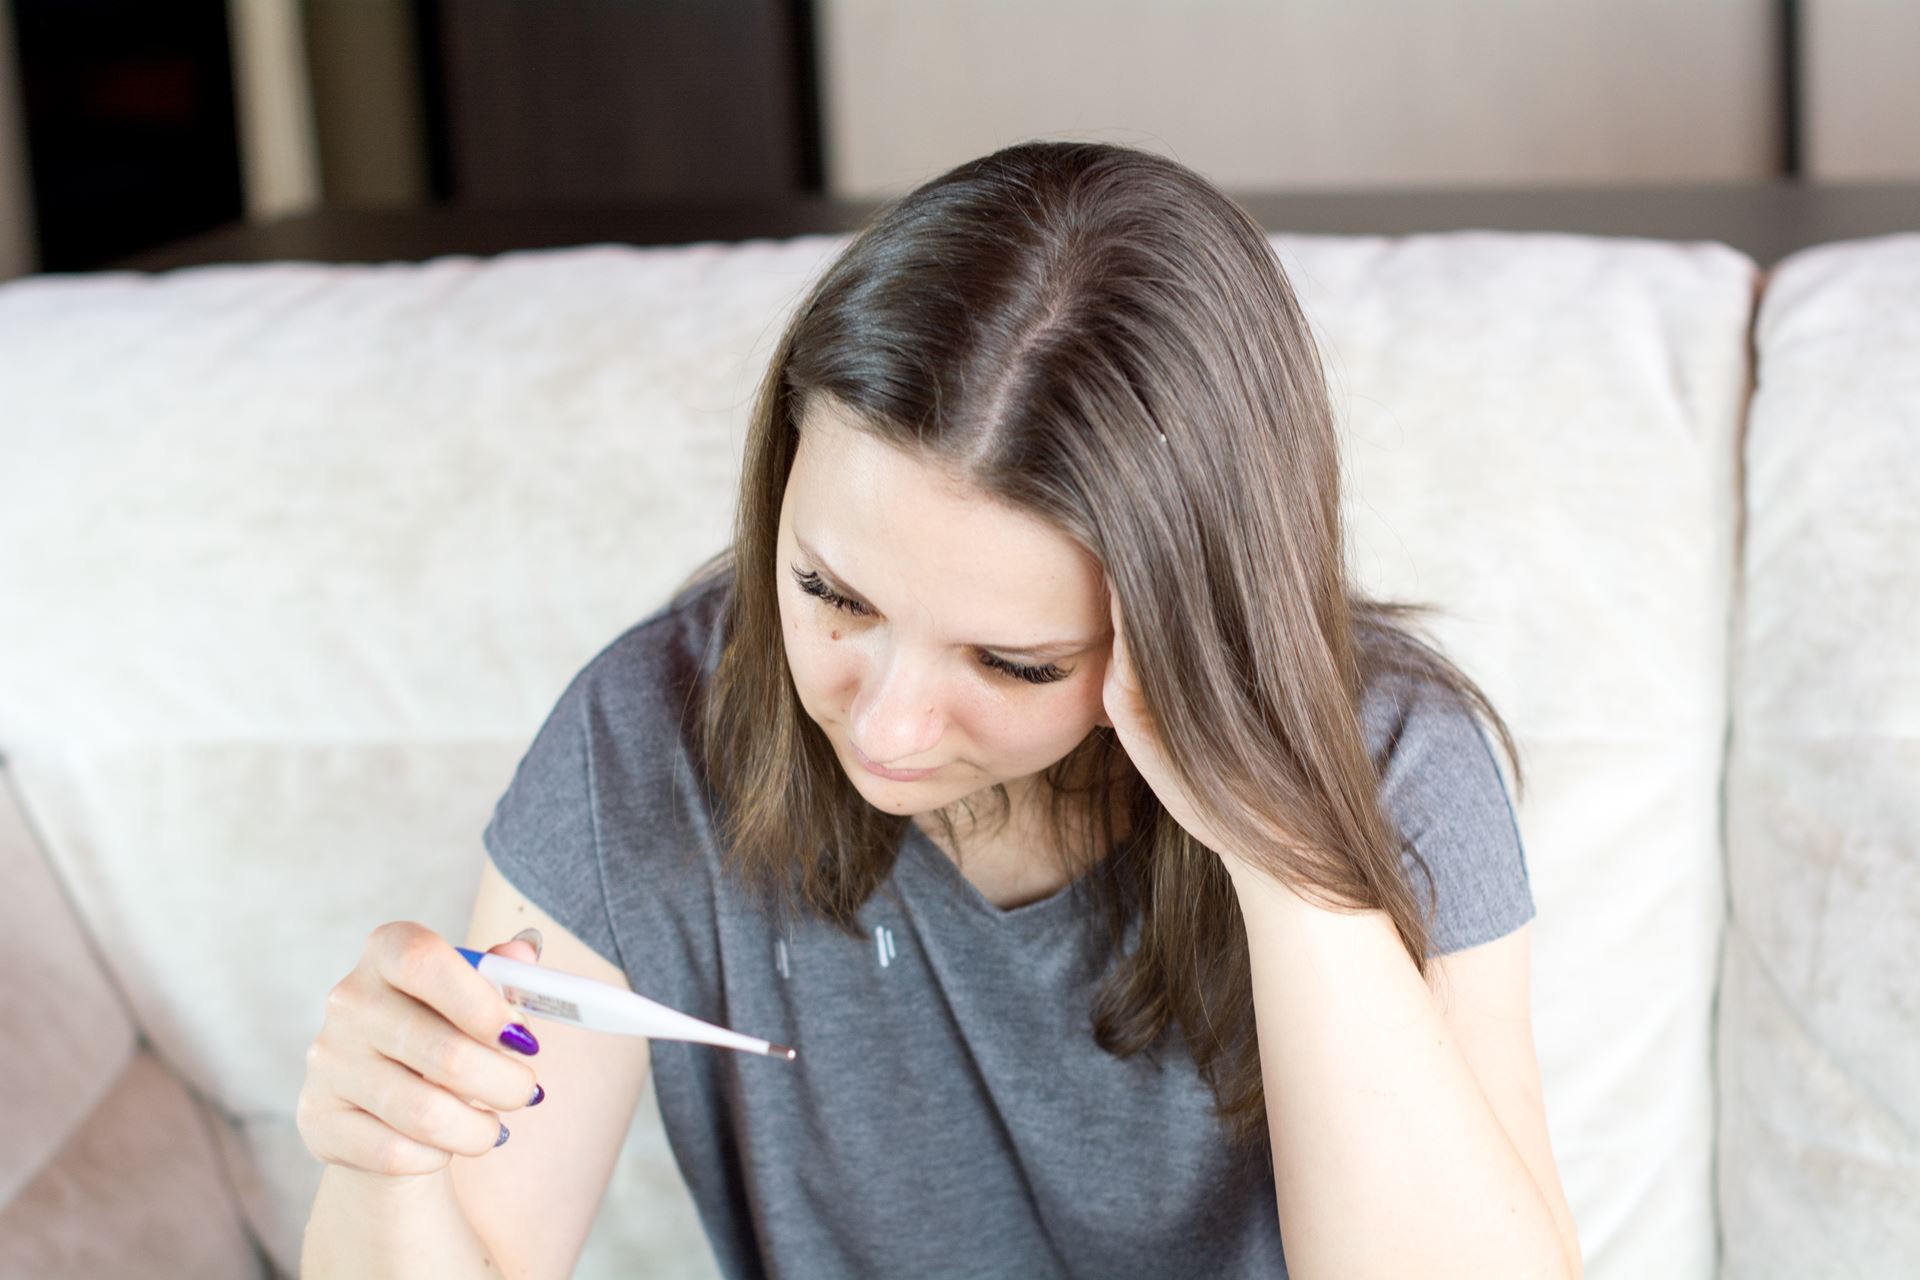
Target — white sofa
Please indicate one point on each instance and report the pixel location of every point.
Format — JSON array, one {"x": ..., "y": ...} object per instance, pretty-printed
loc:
[{"x": 295, "y": 558}]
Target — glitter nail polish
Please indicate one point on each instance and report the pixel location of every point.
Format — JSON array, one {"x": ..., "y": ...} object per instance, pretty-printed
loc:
[{"x": 519, "y": 1039}]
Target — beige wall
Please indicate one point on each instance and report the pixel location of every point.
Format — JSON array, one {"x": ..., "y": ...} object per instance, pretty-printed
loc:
[
  {"x": 1860, "y": 89},
  {"x": 1257, "y": 94},
  {"x": 1311, "y": 94}
]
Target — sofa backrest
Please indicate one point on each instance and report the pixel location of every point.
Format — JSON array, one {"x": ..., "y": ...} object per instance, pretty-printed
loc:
[{"x": 1819, "y": 1013}]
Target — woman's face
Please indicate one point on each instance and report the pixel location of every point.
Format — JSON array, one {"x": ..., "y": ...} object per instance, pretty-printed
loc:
[{"x": 943, "y": 591}]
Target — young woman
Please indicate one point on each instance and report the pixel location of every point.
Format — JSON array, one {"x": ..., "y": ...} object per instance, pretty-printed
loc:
[{"x": 1141, "y": 899}]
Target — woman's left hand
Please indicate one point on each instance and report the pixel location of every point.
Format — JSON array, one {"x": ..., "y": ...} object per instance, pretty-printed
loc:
[{"x": 1141, "y": 739}]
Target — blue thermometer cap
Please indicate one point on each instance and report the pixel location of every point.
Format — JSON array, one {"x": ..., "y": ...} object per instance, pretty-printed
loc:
[{"x": 473, "y": 957}]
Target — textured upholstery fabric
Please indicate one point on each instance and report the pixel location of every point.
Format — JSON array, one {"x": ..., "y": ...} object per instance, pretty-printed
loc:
[
  {"x": 71, "y": 1038},
  {"x": 138, "y": 1190},
  {"x": 1819, "y": 1021}
]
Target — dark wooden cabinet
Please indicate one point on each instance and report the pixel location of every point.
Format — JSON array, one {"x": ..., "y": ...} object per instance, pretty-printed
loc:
[
  {"x": 594, "y": 102},
  {"x": 128, "y": 115},
  {"x": 132, "y": 126}
]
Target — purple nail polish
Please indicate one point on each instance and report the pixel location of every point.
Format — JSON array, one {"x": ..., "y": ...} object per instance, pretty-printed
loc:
[
  {"x": 539, "y": 1093},
  {"x": 519, "y": 1039},
  {"x": 503, "y": 1136}
]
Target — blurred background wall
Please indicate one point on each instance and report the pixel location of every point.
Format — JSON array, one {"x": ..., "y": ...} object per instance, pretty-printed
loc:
[{"x": 125, "y": 123}]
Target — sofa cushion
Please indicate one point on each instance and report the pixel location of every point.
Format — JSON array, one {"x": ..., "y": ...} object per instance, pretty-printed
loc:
[
  {"x": 296, "y": 558},
  {"x": 69, "y": 1036},
  {"x": 138, "y": 1190},
  {"x": 1542, "y": 433},
  {"x": 1819, "y": 1063}
]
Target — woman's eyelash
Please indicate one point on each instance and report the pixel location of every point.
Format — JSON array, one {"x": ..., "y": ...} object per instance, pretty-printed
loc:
[
  {"x": 1032, "y": 675},
  {"x": 814, "y": 585}
]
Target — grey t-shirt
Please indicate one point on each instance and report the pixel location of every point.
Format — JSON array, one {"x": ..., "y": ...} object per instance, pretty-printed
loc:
[{"x": 948, "y": 1113}]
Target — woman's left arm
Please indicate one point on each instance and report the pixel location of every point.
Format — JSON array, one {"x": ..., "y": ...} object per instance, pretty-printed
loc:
[
  {"x": 1409, "y": 1136},
  {"x": 1408, "y": 1132}
]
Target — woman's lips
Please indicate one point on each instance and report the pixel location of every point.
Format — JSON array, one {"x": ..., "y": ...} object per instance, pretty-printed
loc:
[{"x": 895, "y": 775}]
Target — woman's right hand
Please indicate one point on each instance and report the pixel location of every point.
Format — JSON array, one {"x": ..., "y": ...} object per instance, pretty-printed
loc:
[{"x": 411, "y": 1056}]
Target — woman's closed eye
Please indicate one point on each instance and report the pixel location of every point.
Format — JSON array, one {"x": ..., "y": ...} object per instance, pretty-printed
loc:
[{"x": 814, "y": 585}]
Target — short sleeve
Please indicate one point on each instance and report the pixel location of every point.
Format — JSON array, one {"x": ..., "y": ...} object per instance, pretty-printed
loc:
[
  {"x": 543, "y": 832},
  {"x": 1443, "y": 788}
]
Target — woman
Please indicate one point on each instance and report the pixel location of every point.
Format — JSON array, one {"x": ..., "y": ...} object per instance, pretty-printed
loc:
[{"x": 1140, "y": 899}]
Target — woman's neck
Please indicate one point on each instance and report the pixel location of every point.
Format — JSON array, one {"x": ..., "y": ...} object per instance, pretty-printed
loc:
[{"x": 1021, "y": 835}]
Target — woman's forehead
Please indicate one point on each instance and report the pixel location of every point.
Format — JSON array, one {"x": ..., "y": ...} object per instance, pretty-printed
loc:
[{"x": 893, "y": 528}]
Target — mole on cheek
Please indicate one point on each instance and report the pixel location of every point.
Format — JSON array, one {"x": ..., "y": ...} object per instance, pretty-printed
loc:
[{"x": 836, "y": 635}]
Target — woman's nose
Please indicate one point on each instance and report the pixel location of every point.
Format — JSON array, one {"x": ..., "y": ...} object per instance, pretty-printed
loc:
[{"x": 897, "y": 724}]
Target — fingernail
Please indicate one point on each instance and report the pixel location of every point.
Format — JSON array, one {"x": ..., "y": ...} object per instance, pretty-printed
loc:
[
  {"x": 519, "y": 1039},
  {"x": 539, "y": 1092},
  {"x": 503, "y": 1136},
  {"x": 529, "y": 934}
]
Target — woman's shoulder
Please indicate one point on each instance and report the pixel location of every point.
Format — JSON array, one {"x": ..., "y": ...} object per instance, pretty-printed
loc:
[
  {"x": 1434, "y": 758},
  {"x": 1442, "y": 786},
  {"x": 1401, "y": 709},
  {"x": 643, "y": 679}
]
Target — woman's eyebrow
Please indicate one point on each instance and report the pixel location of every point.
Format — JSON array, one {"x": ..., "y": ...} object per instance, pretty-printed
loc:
[{"x": 1054, "y": 649}]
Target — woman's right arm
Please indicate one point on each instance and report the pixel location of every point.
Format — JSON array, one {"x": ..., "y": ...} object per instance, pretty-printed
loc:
[
  {"x": 375, "y": 1226},
  {"x": 390, "y": 1204}
]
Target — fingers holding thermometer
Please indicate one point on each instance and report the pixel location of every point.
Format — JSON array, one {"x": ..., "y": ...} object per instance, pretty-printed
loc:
[
  {"x": 416, "y": 1059},
  {"x": 410, "y": 1067}
]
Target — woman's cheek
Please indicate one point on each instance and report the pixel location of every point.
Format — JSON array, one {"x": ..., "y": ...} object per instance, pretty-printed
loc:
[{"x": 823, "y": 667}]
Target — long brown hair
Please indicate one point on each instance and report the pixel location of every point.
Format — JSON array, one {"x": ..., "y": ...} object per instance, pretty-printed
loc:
[{"x": 1097, "y": 336}]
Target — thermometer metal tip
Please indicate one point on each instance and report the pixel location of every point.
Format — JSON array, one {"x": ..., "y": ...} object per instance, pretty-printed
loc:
[{"x": 780, "y": 1051}]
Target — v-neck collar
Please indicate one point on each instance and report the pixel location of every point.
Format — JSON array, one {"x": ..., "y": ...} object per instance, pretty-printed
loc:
[{"x": 922, "y": 857}]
